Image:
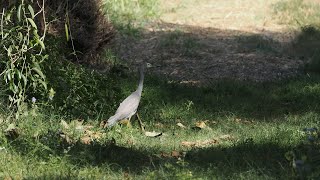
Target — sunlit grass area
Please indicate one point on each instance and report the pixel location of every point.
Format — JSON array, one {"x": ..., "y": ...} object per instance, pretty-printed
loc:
[
  {"x": 128, "y": 16},
  {"x": 297, "y": 12}
]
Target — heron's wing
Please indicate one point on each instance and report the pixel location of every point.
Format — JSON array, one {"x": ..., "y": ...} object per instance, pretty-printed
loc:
[{"x": 129, "y": 106}]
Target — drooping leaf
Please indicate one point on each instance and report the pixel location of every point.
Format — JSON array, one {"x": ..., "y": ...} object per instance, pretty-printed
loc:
[
  {"x": 25, "y": 81},
  {"x": 31, "y": 11},
  {"x": 51, "y": 93},
  {"x": 41, "y": 43},
  {"x": 67, "y": 31},
  {"x": 43, "y": 83},
  {"x": 32, "y": 23},
  {"x": 37, "y": 69},
  {"x": 19, "y": 74},
  {"x": 19, "y": 12}
]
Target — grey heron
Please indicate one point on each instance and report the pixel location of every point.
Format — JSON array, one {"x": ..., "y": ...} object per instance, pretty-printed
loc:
[{"x": 129, "y": 106}]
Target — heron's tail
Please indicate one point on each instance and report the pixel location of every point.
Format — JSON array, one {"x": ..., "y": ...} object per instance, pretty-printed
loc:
[{"x": 112, "y": 120}]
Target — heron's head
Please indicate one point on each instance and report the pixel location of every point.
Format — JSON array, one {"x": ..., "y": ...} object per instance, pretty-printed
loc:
[
  {"x": 144, "y": 66},
  {"x": 148, "y": 65}
]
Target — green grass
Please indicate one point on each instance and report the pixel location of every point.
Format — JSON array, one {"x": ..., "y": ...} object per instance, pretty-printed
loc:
[
  {"x": 128, "y": 16},
  {"x": 265, "y": 122}
]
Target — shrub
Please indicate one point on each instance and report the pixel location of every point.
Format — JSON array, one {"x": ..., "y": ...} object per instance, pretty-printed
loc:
[{"x": 22, "y": 53}]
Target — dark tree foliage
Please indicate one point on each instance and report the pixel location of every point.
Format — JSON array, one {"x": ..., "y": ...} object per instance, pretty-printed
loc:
[{"x": 88, "y": 29}]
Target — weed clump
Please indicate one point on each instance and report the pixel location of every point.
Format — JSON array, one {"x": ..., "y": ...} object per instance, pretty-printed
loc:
[{"x": 84, "y": 25}]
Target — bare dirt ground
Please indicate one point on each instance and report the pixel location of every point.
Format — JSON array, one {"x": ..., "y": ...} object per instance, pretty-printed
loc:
[{"x": 198, "y": 42}]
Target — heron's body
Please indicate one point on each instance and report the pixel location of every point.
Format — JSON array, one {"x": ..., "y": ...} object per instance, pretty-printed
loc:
[{"x": 129, "y": 106}]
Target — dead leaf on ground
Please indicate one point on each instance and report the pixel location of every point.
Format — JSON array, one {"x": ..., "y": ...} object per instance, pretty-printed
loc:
[
  {"x": 87, "y": 127},
  {"x": 248, "y": 121},
  {"x": 165, "y": 155},
  {"x": 66, "y": 138},
  {"x": 205, "y": 143},
  {"x": 213, "y": 122},
  {"x": 10, "y": 127},
  {"x": 173, "y": 154},
  {"x": 77, "y": 124},
  {"x": 226, "y": 137},
  {"x": 153, "y": 134},
  {"x": 130, "y": 141},
  {"x": 181, "y": 125},
  {"x": 238, "y": 120},
  {"x": 176, "y": 154},
  {"x": 199, "y": 143},
  {"x": 159, "y": 125},
  {"x": 126, "y": 175},
  {"x": 97, "y": 135},
  {"x": 64, "y": 124},
  {"x": 86, "y": 132},
  {"x": 201, "y": 125},
  {"x": 86, "y": 140},
  {"x": 103, "y": 124},
  {"x": 7, "y": 178}
]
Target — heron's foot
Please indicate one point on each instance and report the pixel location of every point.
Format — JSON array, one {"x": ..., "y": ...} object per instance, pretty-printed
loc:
[{"x": 125, "y": 122}]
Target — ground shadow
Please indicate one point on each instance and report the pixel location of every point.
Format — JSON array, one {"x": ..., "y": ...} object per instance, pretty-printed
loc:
[
  {"x": 228, "y": 162},
  {"x": 267, "y": 158},
  {"x": 197, "y": 55},
  {"x": 262, "y": 101},
  {"x": 250, "y": 75}
]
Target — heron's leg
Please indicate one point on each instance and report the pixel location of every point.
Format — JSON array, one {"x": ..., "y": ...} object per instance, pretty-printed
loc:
[
  {"x": 129, "y": 122},
  {"x": 140, "y": 122}
]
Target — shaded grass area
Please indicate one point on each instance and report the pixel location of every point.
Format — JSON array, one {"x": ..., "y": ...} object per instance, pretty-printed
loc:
[
  {"x": 267, "y": 100},
  {"x": 264, "y": 121}
]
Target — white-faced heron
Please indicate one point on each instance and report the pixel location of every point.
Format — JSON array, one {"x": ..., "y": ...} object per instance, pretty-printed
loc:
[{"x": 129, "y": 106}]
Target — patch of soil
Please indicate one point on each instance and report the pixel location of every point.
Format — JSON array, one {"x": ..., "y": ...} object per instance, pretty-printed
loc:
[{"x": 197, "y": 42}]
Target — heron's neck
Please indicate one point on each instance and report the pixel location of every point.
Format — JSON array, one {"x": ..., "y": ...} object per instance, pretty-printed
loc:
[{"x": 140, "y": 86}]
